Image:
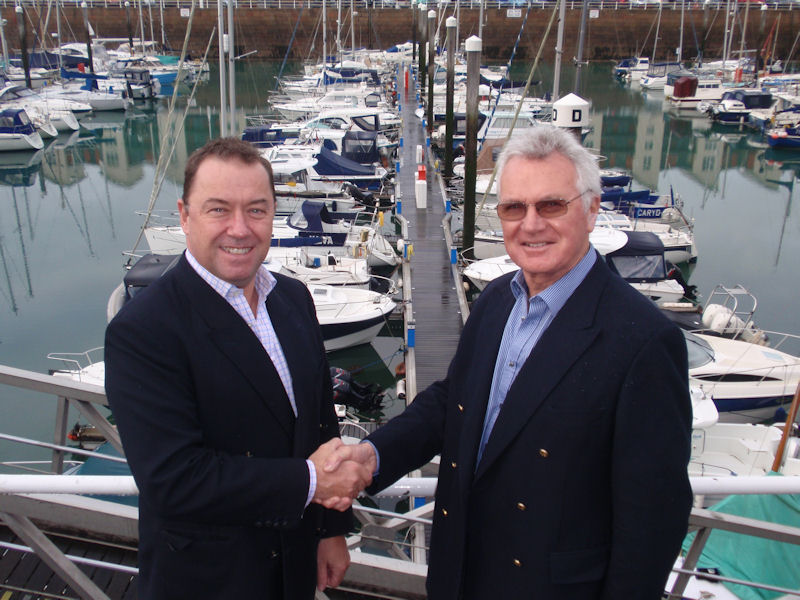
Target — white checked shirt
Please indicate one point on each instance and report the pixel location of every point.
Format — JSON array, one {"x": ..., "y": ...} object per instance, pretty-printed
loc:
[
  {"x": 528, "y": 320},
  {"x": 261, "y": 325}
]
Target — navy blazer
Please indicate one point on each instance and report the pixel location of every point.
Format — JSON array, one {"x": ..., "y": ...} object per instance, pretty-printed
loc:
[
  {"x": 214, "y": 447},
  {"x": 582, "y": 491}
]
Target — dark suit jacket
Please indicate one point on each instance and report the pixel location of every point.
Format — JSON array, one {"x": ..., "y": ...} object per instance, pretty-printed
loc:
[
  {"x": 217, "y": 454},
  {"x": 582, "y": 491}
]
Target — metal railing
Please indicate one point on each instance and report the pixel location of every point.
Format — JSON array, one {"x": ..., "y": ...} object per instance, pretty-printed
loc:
[
  {"x": 28, "y": 501},
  {"x": 631, "y": 5}
]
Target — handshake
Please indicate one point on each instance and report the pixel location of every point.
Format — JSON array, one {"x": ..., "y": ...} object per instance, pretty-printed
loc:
[{"x": 343, "y": 471}]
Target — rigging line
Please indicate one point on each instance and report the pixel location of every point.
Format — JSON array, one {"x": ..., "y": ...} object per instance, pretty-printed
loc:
[
  {"x": 161, "y": 165},
  {"x": 314, "y": 41},
  {"x": 521, "y": 99},
  {"x": 647, "y": 37},
  {"x": 288, "y": 49},
  {"x": 183, "y": 120},
  {"x": 507, "y": 76}
]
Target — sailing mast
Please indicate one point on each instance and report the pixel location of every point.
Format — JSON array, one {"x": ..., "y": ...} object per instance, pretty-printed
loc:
[{"x": 562, "y": 12}]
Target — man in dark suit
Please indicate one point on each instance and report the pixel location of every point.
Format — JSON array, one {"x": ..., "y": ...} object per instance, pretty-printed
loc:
[
  {"x": 564, "y": 421},
  {"x": 218, "y": 380}
]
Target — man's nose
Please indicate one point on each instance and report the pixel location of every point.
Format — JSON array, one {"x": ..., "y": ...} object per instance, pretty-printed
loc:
[
  {"x": 532, "y": 221},
  {"x": 238, "y": 225}
]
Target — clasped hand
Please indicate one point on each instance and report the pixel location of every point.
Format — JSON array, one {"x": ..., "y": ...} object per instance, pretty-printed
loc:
[{"x": 343, "y": 471}]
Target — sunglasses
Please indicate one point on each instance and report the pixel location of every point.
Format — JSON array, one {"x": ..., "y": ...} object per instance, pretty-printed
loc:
[{"x": 549, "y": 209}]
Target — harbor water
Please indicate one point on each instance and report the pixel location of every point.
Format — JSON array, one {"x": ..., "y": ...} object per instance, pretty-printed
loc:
[{"x": 70, "y": 212}]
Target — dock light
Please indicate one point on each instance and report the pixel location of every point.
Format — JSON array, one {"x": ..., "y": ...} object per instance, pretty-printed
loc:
[
  {"x": 411, "y": 330},
  {"x": 453, "y": 254}
]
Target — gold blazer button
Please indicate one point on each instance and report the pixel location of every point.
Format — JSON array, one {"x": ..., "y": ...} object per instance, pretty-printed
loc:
[{"x": 543, "y": 453}]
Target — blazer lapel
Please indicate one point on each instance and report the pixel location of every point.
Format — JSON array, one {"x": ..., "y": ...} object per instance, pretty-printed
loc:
[
  {"x": 486, "y": 346},
  {"x": 292, "y": 334},
  {"x": 231, "y": 335},
  {"x": 564, "y": 341}
]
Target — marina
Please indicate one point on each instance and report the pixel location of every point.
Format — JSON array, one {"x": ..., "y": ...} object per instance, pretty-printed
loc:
[{"x": 70, "y": 223}]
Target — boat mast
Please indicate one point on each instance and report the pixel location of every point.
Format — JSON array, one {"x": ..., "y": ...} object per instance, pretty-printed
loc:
[
  {"x": 150, "y": 15},
  {"x": 680, "y": 41},
  {"x": 352, "y": 31},
  {"x": 480, "y": 22},
  {"x": 562, "y": 11},
  {"x": 4, "y": 43},
  {"x": 58, "y": 35},
  {"x": 141, "y": 27},
  {"x": 581, "y": 38},
  {"x": 161, "y": 14},
  {"x": 223, "y": 100},
  {"x": 324, "y": 45},
  {"x": 231, "y": 69},
  {"x": 658, "y": 29},
  {"x": 744, "y": 32}
]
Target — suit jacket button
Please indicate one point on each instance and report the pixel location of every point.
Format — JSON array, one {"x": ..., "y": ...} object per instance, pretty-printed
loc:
[
  {"x": 521, "y": 506},
  {"x": 517, "y": 562},
  {"x": 248, "y": 454},
  {"x": 453, "y": 464},
  {"x": 274, "y": 554},
  {"x": 444, "y": 512},
  {"x": 461, "y": 408},
  {"x": 543, "y": 453}
]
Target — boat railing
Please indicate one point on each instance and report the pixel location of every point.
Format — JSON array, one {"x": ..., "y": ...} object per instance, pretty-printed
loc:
[
  {"x": 75, "y": 361},
  {"x": 87, "y": 398}
]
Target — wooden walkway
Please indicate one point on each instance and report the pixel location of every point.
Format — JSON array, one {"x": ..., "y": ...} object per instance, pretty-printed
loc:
[
  {"x": 24, "y": 576},
  {"x": 435, "y": 303}
]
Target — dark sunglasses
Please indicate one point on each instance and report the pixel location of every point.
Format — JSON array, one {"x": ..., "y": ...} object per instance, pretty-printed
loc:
[{"x": 549, "y": 209}]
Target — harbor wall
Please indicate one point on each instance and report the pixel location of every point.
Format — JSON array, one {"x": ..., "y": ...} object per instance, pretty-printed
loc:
[{"x": 614, "y": 31}]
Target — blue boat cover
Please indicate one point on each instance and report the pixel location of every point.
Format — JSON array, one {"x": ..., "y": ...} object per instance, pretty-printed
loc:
[
  {"x": 330, "y": 163},
  {"x": 750, "y": 558}
]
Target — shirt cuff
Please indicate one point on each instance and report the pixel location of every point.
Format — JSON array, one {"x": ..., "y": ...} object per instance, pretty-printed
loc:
[
  {"x": 312, "y": 481},
  {"x": 377, "y": 458}
]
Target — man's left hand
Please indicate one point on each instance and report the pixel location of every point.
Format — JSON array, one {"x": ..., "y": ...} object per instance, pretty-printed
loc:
[{"x": 333, "y": 558}]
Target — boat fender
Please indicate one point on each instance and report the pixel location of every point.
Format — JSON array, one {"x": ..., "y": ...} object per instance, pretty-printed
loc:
[{"x": 401, "y": 389}]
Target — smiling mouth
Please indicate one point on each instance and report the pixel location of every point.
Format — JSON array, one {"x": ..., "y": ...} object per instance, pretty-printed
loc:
[
  {"x": 232, "y": 250},
  {"x": 535, "y": 245}
]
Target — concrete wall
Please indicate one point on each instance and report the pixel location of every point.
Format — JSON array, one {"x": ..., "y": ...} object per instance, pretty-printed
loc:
[{"x": 618, "y": 31}]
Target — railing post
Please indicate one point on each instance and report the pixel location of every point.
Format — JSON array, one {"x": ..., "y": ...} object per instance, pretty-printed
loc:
[
  {"x": 690, "y": 562},
  {"x": 60, "y": 434}
]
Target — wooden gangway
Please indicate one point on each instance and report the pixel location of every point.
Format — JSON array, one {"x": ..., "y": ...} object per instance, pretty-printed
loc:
[{"x": 437, "y": 312}]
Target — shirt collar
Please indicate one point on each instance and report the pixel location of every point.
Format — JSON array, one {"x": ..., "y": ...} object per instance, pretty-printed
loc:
[
  {"x": 264, "y": 280},
  {"x": 558, "y": 293}
]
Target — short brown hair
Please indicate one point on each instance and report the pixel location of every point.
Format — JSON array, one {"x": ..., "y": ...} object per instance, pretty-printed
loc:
[{"x": 228, "y": 148}]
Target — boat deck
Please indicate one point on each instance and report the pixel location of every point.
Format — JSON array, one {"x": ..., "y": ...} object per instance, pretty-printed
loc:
[{"x": 435, "y": 301}]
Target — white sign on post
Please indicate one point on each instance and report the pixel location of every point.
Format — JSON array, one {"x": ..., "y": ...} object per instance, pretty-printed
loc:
[
  {"x": 185, "y": 13},
  {"x": 513, "y": 13},
  {"x": 594, "y": 13}
]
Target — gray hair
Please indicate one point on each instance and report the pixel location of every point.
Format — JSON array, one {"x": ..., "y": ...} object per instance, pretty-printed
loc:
[{"x": 544, "y": 140}]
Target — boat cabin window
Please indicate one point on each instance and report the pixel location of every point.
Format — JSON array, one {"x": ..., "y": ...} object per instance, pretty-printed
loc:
[{"x": 699, "y": 351}]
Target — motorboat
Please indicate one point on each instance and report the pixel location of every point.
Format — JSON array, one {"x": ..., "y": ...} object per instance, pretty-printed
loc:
[
  {"x": 687, "y": 90},
  {"x": 347, "y": 316},
  {"x": 632, "y": 69},
  {"x": 748, "y": 382},
  {"x": 17, "y": 132},
  {"x": 62, "y": 114},
  {"x": 678, "y": 243},
  {"x": 735, "y": 106},
  {"x": 656, "y": 76}
]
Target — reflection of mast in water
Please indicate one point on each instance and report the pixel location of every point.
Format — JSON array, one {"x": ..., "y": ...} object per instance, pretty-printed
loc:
[
  {"x": 65, "y": 203},
  {"x": 785, "y": 218},
  {"x": 8, "y": 277},
  {"x": 22, "y": 244}
]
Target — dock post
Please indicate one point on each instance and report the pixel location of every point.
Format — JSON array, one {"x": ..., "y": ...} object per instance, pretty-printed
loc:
[
  {"x": 431, "y": 65},
  {"x": 451, "y": 42},
  {"x": 473, "y": 47}
]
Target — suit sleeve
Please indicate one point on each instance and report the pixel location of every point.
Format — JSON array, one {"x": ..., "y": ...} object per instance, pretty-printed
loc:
[
  {"x": 152, "y": 395},
  {"x": 651, "y": 494}
]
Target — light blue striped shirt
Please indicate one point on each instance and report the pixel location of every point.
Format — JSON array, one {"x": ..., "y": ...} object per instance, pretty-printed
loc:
[
  {"x": 261, "y": 325},
  {"x": 526, "y": 323}
]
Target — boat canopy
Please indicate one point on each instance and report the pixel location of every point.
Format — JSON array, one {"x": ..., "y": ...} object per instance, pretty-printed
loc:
[
  {"x": 145, "y": 271},
  {"x": 361, "y": 146},
  {"x": 641, "y": 259},
  {"x": 750, "y": 98}
]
